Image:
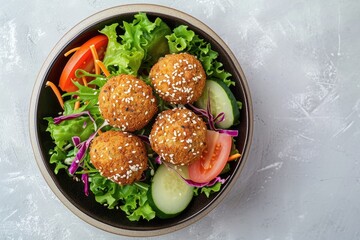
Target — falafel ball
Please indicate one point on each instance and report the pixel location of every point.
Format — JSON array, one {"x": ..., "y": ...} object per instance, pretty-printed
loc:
[
  {"x": 119, "y": 156},
  {"x": 126, "y": 102},
  {"x": 178, "y": 78},
  {"x": 178, "y": 136}
]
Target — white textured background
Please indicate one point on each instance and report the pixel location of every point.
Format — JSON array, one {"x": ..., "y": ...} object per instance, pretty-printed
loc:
[{"x": 301, "y": 59}]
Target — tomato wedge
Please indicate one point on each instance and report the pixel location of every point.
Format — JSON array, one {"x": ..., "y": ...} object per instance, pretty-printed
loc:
[
  {"x": 214, "y": 158},
  {"x": 82, "y": 59}
]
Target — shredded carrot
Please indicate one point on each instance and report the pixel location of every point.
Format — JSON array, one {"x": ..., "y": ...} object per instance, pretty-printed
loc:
[
  {"x": 103, "y": 68},
  {"x": 96, "y": 58},
  {"x": 56, "y": 92},
  {"x": 71, "y": 51},
  {"x": 100, "y": 132},
  {"x": 235, "y": 156},
  {"x": 84, "y": 81},
  {"x": 77, "y": 105}
]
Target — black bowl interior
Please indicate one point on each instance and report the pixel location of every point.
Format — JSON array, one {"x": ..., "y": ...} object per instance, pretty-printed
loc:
[{"x": 47, "y": 105}]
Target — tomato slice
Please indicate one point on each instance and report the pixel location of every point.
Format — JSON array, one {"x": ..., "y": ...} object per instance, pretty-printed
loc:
[
  {"x": 82, "y": 59},
  {"x": 214, "y": 158}
]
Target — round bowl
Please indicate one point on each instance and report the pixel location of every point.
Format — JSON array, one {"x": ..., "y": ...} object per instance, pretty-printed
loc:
[{"x": 70, "y": 192}]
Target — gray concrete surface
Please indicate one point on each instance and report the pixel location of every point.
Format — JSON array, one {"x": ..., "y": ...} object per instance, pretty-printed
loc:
[{"x": 302, "y": 178}]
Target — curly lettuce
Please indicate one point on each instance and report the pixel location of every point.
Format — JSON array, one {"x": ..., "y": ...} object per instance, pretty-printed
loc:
[
  {"x": 117, "y": 58},
  {"x": 83, "y": 126},
  {"x": 132, "y": 199},
  {"x": 62, "y": 133},
  {"x": 208, "y": 190},
  {"x": 141, "y": 45},
  {"x": 57, "y": 157},
  {"x": 184, "y": 40},
  {"x": 148, "y": 37}
]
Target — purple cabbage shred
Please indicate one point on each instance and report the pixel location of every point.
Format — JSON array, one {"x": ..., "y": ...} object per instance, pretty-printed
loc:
[
  {"x": 85, "y": 179},
  {"x": 58, "y": 120},
  {"x": 213, "y": 120},
  {"x": 158, "y": 160},
  {"x": 207, "y": 184}
]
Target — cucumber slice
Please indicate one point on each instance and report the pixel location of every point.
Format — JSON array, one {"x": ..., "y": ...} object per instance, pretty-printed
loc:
[
  {"x": 221, "y": 100},
  {"x": 169, "y": 195}
]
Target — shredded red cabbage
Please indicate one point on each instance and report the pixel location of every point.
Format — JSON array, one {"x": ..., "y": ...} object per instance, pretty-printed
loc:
[
  {"x": 76, "y": 163},
  {"x": 213, "y": 120},
  {"x": 58, "y": 120},
  {"x": 219, "y": 118},
  {"x": 76, "y": 140},
  {"x": 85, "y": 179},
  {"x": 83, "y": 147},
  {"x": 209, "y": 115},
  {"x": 158, "y": 160},
  {"x": 207, "y": 184},
  {"x": 74, "y": 166},
  {"x": 198, "y": 111},
  {"x": 143, "y": 177},
  {"x": 233, "y": 133}
]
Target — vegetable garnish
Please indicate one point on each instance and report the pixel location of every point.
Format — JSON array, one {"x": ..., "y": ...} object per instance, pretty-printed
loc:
[
  {"x": 210, "y": 117},
  {"x": 76, "y": 140},
  {"x": 158, "y": 160},
  {"x": 233, "y": 133},
  {"x": 103, "y": 68},
  {"x": 206, "y": 184},
  {"x": 171, "y": 198},
  {"x": 233, "y": 157},
  {"x": 81, "y": 59},
  {"x": 214, "y": 158},
  {"x": 59, "y": 119},
  {"x": 85, "y": 179},
  {"x": 213, "y": 120},
  {"x": 82, "y": 148},
  {"x": 71, "y": 51},
  {"x": 84, "y": 81},
  {"x": 56, "y": 92},
  {"x": 96, "y": 58},
  {"x": 77, "y": 105}
]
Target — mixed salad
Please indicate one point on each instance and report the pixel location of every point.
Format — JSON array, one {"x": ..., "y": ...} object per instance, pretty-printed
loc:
[{"x": 133, "y": 48}]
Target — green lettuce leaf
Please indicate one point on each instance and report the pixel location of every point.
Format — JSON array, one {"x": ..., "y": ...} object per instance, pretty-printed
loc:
[
  {"x": 149, "y": 37},
  {"x": 209, "y": 190},
  {"x": 117, "y": 58},
  {"x": 144, "y": 211},
  {"x": 141, "y": 45},
  {"x": 88, "y": 97},
  {"x": 57, "y": 157},
  {"x": 62, "y": 133},
  {"x": 132, "y": 199},
  {"x": 184, "y": 40}
]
